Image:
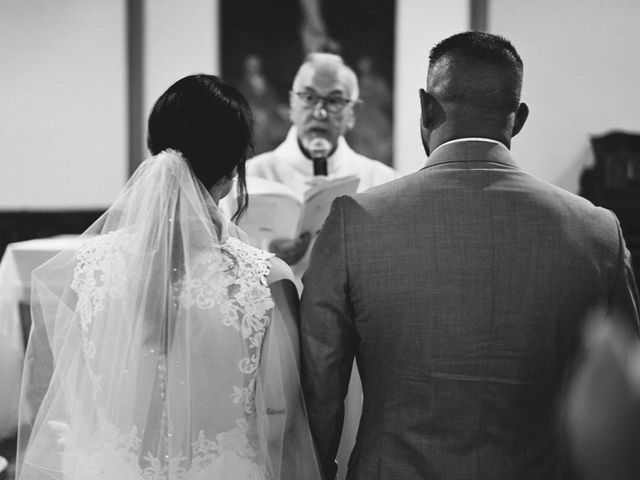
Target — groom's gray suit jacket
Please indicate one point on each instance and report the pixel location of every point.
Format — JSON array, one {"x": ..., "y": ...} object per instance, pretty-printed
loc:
[{"x": 461, "y": 290}]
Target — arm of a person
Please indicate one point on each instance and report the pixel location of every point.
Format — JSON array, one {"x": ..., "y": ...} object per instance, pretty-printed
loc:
[
  {"x": 285, "y": 329},
  {"x": 290, "y": 444},
  {"x": 291, "y": 250},
  {"x": 602, "y": 405},
  {"x": 624, "y": 301},
  {"x": 327, "y": 337},
  {"x": 281, "y": 349}
]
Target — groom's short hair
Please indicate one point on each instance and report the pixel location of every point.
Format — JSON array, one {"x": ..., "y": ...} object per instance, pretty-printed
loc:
[{"x": 477, "y": 59}]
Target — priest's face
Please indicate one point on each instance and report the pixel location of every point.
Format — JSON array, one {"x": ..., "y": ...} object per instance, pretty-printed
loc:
[{"x": 321, "y": 104}]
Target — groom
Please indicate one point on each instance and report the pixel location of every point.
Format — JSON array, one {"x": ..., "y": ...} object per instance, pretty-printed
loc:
[{"x": 460, "y": 289}]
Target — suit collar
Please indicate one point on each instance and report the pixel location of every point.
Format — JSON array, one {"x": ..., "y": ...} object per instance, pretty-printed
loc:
[{"x": 471, "y": 150}]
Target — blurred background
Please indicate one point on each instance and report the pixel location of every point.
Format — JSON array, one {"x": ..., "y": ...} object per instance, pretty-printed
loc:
[{"x": 80, "y": 76}]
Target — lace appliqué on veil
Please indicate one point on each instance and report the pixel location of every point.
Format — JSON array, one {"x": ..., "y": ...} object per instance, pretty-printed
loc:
[
  {"x": 101, "y": 272},
  {"x": 243, "y": 271},
  {"x": 233, "y": 280},
  {"x": 112, "y": 455}
]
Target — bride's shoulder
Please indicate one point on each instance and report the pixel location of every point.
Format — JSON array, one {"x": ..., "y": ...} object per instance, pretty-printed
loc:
[
  {"x": 279, "y": 271},
  {"x": 275, "y": 269}
]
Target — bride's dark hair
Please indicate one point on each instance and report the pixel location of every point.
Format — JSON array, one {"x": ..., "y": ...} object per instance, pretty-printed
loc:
[{"x": 210, "y": 123}]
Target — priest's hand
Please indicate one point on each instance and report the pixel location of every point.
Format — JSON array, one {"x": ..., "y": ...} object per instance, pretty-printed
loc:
[{"x": 291, "y": 250}]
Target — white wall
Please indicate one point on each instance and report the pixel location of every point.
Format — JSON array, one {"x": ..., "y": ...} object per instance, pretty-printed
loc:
[
  {"x": 582, "y": 78},
  {"x": 420, "y": 24},
  {"x": 62, "y": 127},
  {"x": 178, "y": 41},
  {"x": 63, "y": 132}
]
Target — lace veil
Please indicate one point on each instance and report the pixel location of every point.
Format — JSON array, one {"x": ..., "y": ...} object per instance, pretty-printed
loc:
[{"x": 158, "y": 349}]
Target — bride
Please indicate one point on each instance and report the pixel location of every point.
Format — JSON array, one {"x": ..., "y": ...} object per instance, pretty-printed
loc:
[{"x": 165, "y": 347}]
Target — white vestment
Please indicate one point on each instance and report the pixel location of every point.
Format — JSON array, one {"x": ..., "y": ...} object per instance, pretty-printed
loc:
[{"x": 289, "y": 166}]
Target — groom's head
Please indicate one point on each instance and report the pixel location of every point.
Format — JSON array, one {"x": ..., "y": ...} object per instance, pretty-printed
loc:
[{"x": 473, "y": 89}]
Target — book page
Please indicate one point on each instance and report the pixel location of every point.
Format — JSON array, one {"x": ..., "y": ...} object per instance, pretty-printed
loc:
[
  {"x": 318, "y": 199},
  {"x": 269, "y": 216}
]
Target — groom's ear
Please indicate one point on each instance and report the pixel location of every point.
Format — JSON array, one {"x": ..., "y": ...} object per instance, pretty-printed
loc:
[
  {"x": 428, "y": 109},
  {"x": 521, "y": 116}
]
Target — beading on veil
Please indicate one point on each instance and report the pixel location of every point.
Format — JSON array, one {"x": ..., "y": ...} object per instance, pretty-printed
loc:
[{"x": 163, "y": 348}]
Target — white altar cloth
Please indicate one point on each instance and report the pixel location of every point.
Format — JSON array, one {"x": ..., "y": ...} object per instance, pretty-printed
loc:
[{"x": 18, "y": 261}]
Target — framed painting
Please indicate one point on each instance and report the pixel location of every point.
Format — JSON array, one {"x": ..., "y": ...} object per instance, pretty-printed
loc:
[{"x": 264, "y": 42}]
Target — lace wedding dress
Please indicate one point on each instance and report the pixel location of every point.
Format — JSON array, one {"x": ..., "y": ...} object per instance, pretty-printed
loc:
[{"x": 158, "y": 349}]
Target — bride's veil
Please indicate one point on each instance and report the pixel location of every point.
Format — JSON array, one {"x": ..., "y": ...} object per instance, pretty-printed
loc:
[{"x": 157, "y": 350}]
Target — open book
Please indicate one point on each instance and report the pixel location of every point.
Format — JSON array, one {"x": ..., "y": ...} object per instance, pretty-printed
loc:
[{"x": 275, "y": 211}]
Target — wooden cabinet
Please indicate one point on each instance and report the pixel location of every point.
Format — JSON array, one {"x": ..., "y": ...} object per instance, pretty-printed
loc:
[{"x": 614, "y": 183}]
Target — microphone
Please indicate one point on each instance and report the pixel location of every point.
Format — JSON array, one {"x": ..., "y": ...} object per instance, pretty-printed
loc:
[{"x": 319, "y": 149}]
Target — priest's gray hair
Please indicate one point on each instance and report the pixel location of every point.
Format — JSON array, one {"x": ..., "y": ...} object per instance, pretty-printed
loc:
[{"x": 330, "y": 62}]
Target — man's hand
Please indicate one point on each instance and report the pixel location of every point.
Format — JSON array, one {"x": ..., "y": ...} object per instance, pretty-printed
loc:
[{"x": 291, "y": 250}]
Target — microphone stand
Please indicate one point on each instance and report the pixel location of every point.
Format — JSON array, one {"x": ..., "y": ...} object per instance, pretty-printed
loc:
[
  {"x": 319, "y": 149},
  {"x": 319, "y": 165}
]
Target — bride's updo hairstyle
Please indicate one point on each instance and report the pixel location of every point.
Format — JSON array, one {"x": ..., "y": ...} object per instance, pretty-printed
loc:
[{"x": 210, "y": 123}]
